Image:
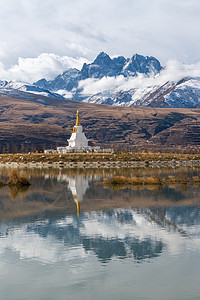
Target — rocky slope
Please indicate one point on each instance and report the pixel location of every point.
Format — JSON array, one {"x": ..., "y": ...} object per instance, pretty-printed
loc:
[{"x": 181, "y": 94}]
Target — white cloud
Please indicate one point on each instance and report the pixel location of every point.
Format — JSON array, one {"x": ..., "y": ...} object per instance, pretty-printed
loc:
[
  {"x": 164, "y": 29},
  {"x": 173, "y": 71},
  {"x": 83, "y": 28},
  {"x": 46, "y": 65},
  {"x": 94, "y": 86}
]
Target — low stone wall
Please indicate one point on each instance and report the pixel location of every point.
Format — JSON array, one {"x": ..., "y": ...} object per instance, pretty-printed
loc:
[{"x": 110, "y": 164}]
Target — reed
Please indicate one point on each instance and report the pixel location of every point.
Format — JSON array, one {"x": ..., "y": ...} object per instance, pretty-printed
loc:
[
  {"x": 134, "y": 180},
  {"x": 16, "y": 179},
  {"x": 195, "y": 178},
  {"x": 2, "y": 183},
  {"x": 150, "y": 180}
]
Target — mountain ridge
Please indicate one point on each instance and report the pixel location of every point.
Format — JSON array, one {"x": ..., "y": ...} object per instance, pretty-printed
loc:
[
  {"x": 102, "y": 66},
  {"x": 136, "y": 81}
]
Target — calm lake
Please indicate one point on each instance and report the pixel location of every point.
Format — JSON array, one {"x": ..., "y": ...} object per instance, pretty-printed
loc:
[{"x": 69, "y": 237}]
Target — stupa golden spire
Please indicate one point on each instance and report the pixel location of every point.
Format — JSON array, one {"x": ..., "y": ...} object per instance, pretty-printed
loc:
[
  {"x": 77, "y": 119},
  {"x": 77, "y": 205}
]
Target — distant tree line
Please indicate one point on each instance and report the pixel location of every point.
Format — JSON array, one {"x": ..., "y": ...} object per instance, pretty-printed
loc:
[
  {"x": 154, "y": 148},
  {"x": 22, "y": 148}
]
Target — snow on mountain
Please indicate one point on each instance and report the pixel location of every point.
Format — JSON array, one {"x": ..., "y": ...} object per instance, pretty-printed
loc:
[
  {"x": 102, "y": 67},
  {"x": 25, "y": 87},
  {"x": 184, "y": 94},
  {"x": 66, "y": 81},
  {"x": 135, "y": 81}
]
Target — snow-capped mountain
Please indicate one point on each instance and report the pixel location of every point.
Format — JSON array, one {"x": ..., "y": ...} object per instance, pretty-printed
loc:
[
  {"x": 103, "y": 65},
  {"x": 70, "y": 83},
  {"x": 135, "y": 81},
  {"x": 121, "y": 81},
  {"x": 182, "y": 94},
  {"x": 64, "y": 82},
  {"x": 15, "y": 87}
]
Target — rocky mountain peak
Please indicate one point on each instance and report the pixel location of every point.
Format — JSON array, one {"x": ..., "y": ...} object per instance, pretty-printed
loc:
[
  {"x": 142, "y": 64},
  {"x": 102, "y": 59}
]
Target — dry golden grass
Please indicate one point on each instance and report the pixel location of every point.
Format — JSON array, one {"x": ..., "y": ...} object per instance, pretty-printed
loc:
[
  {"x": 96, "y": 157},
  {"x": 195, "y": 178},
  {"x": 150, "y": 180},
  {"x": 15, "y": 190},
  {"x": 16, "y": 179},
  {"x": 18, "y": 184},
  {"x": 2, "y": 183},
  {"x": 135, "y": 180}
]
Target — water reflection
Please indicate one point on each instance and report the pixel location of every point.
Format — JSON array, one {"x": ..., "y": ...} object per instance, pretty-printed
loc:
[
  {"x": 64, "y": 216},
  {"x": 95, "y": 233},
  {"x": 132, "y": 233}
]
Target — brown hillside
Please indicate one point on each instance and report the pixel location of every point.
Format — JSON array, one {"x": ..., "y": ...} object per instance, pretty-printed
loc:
[{"x": 33, "y": 123}]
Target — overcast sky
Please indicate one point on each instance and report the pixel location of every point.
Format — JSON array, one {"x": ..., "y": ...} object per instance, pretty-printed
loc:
[{"x": 44, "y": 37}]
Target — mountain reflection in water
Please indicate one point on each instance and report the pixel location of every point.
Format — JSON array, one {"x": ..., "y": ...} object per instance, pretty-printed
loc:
[{"x": 65, "y": 216}]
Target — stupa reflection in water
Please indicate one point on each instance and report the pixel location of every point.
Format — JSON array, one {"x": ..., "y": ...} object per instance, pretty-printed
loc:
[
  {"x": 78, "y": 186},
  {"x": 99, "y": 231}
]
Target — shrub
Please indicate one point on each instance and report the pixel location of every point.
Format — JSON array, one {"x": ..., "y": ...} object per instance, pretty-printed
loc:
[
  {"x": 16, "y": 179},
  {"x": 2, "y": 183},
  {"x": 196, "y": 178}
]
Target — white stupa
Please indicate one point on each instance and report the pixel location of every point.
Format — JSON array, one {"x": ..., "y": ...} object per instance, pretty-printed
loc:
[
  {"x": 77, "y": 143},
  {"x": 78, "y": 138}
]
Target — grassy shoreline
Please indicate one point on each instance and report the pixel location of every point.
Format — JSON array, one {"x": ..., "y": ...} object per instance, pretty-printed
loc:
[{"x": 97, "y": 157}]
